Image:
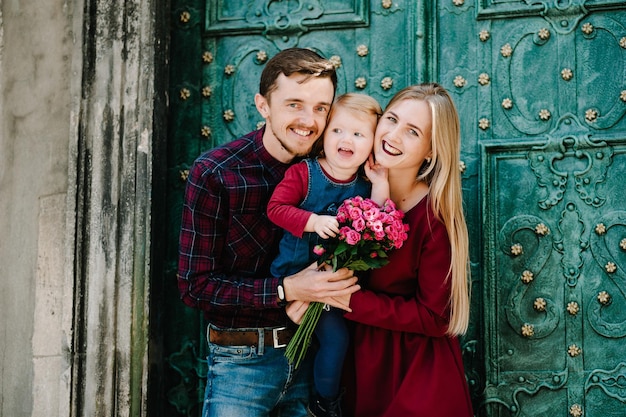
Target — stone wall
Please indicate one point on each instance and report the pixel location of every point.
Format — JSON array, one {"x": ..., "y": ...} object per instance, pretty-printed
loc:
[
  {"x": 35, "y": 72},
  {"x": 77, "y": 104}
]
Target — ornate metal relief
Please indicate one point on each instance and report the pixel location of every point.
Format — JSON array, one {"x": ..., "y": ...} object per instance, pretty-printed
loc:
[
  {"x": 612, "y": 382},
  {"x": 543, "y": 320},
  {"x": 607, "y": 312},
  {"x": 282, "y": 21},
  {"x": 588, "y": 168}
]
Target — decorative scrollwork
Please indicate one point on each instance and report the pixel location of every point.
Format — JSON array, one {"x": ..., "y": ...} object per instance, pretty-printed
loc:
[
  {"x": 566, "y": 141},
  {"x": 604, "y": 253},
  {"x": 612, "y": 382},
  {"x": 539, "y": 247}
]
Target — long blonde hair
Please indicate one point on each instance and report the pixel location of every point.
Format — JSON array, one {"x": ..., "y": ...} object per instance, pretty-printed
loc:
[{"x": 443, "y": 176}]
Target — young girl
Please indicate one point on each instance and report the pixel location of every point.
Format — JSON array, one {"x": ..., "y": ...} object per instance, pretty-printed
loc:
[
  {"x": 305, "y": 203},
  {"x": 407, "y": 356}
]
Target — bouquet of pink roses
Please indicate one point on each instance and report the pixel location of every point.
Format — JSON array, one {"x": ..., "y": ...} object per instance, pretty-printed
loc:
[{"x": 366, "y": 233}]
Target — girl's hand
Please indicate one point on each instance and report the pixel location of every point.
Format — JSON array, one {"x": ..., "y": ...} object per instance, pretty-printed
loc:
[
  {"x": 325, "y": 226},
  {"x": 375, "y": 172}
]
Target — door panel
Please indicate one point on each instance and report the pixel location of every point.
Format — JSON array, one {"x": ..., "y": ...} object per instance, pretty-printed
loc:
[
  {"x": 218, "y": 51},
  {"x": 541, "y": 92}
]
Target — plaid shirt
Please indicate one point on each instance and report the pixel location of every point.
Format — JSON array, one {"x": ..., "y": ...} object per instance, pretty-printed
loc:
[{"x": 226, "y": 240}]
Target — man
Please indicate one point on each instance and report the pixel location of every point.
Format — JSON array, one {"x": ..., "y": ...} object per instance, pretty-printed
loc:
[{"x": 227, "y": 244}]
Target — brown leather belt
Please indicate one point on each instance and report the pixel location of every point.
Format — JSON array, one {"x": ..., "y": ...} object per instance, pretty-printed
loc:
[{"x": 278, "y": 337}]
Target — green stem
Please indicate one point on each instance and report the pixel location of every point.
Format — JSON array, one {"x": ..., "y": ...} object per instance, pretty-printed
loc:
[{"x": 299, "y": 344}]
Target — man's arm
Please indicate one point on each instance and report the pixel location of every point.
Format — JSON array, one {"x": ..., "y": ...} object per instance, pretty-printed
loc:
[{"x": 203, "y": 280}]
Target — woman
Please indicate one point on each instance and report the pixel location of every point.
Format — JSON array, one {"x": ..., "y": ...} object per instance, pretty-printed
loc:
[{"x": 407, "y": 357}]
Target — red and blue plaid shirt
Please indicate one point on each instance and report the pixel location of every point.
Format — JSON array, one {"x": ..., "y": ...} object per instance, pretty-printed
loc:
[{"x": 226, "y": 240}]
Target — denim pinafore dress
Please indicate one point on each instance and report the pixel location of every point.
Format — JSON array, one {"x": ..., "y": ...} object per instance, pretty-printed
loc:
[{"x": 324, "y": 196}]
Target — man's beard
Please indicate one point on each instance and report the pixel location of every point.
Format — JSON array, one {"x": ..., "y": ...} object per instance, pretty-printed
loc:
[{"x": 289, "y": 149}]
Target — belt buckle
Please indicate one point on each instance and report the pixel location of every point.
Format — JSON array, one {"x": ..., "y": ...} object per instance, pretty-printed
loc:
[{"x": 275, "y": 337}]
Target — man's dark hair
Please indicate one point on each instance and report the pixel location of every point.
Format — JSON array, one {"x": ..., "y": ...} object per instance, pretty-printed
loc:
[{"x": 295, "y": 60}]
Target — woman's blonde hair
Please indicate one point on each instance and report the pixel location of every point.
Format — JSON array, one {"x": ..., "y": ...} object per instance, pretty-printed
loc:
[
  {"x": 355, "y": 102},
  {"x": 443, "y": 176}
]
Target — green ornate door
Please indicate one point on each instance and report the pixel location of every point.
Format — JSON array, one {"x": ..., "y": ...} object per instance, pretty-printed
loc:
[{"x": 541, "y": 90}]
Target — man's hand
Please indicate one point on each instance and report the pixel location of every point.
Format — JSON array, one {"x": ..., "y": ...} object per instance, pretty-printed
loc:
[{"x": 322, "y": 285}]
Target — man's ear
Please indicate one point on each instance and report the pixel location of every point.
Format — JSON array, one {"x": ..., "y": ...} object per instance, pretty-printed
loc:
[{"x": 262, "y": 105}]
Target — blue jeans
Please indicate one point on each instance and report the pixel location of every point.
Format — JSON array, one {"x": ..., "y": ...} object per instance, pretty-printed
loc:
[{"x": 255, "y": 381}]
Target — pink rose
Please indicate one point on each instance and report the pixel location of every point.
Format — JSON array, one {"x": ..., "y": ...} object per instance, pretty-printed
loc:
[
  {"x": 358, "y": 224},
  {"x": 353, "y": 237},
  {"x": 319, "y": 250}
]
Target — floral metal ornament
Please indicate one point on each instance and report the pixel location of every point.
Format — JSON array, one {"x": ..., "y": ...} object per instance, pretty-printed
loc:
[
  {"x": 206, "y": 131},
  {"x": 576, "y": 410},
  {"x": 528, "y": 330},
  {"x": 567, "y": 74},
  {"x": 506, "y": 50},
  {"x": 622, "y": 95},
  {"x": 517, "y": 249},
  {"x": 484, "y": 123},
  {"x": 184, "y": 93},
  {"x": 587, "y": 28},
  {"x": 507, "y": 104},
  {"x": 362, "y": 50},
  {"x": 591, "y": 115},
  {"x": 542, "y": 229},
  {"x": 458, "y": 3},
  {"x": 229, "y": 69},
  {"x": 483, "y": 79},
  {"x": 540, "y": 304},
  {"x": 360, "y": 83},
  {"x": 207, "y": 91},
  {"x": 600, "y": 229},
  {"x": 622, "y": 42},
  {"x": 185, "y": 17},
  {"x": 463, "y": 168},
  {"x": 261, "y": 57},
  {"x": 604, "y": 298},
  {"x": 544, "y": 34},
  {"x": 573, "y": 308},
  {"x": 527, "y": 277},
  {"x": 386, "y": 83},
  {"x": 459, "y": 81},
  {"x": 229, "y": 115},
  {"x": 387, "y": 4},
  {"x": 610, "y": 267},
  {"x": 484, "y": 35},
  {"x": 184, "y": 174},
  {"x": 544, "y": 114},
  {"x": 335, "y": 60},
  {"x": 207, "y": 57},
  {"x": 574, "y": 351},
  {"x": 622, "y": 244}
]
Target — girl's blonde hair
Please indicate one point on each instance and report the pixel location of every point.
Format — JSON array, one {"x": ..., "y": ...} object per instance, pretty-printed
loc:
[
  {"x": 443, "y": 177},
  {"x": 355, "y": 102}
]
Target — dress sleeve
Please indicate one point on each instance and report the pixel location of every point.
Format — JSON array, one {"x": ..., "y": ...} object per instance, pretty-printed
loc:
[
  {"x": 425, "y": 312},
  {"x": 282, "y": 208}
]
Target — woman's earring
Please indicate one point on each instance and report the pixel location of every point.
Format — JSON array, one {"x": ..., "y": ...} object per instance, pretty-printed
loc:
[{"x": 428, "y": 159}]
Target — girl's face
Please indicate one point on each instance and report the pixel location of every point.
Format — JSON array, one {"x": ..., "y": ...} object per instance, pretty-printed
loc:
[
  {"x": 348, "y": 139},
  {"x": 403, "y": 135}
]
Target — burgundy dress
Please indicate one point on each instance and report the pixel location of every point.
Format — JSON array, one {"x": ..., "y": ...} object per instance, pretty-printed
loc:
[{"x": 403, "y": 364}]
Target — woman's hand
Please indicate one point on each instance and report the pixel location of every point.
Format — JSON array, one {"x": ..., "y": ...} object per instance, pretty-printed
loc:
[
  {"x": 296, "y": 309},
  {"x": 322, "y": 285}
]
